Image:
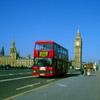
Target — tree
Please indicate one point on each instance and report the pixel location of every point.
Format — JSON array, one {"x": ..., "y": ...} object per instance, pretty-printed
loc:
[{"x": 2, "y": 51}]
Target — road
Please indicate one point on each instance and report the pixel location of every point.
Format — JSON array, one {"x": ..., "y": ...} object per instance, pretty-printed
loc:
[
  {"x": 76, "y": 87},
  {"x": 13, "y": 82},
  {"x": 21, "y": 85}
]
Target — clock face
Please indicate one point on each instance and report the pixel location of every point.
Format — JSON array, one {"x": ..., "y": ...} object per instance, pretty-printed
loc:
[{"x": 77, "y": 43}]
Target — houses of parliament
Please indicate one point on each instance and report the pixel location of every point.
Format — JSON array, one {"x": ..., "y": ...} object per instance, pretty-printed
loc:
[{"x": 14, "y": 60}]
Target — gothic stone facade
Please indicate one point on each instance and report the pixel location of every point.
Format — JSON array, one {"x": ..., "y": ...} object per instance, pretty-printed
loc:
[{"x": 14, "y": 60}]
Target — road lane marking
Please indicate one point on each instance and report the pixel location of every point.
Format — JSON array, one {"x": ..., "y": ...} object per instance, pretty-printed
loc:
[
  {"x": 21, "y": 73},
  {"x": 16, "y": 78},
  {"x": 28, "y": 73},
  {"x": 14, "y": 74},
  {"x": 3, "y": 75},
  {"x": 11, "y": 74},
  {"x": 31, "y": 85},
  {"x": 50, "y": 80},
  {"x": 62, "y": 85}
]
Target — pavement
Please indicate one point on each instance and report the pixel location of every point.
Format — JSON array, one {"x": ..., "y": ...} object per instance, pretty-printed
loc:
[{"x": 73, "y": 88}]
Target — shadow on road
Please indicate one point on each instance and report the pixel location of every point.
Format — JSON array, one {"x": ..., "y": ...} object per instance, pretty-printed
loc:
[{"x": 60, "y": 76}]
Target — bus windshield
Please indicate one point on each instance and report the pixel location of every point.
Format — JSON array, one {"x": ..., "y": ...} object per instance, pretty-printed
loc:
[
  {"x": 44, "y": 46},
  {"x": 42, "y": 62}
]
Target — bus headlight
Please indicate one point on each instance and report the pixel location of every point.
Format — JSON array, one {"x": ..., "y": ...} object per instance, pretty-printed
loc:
[{"x": 34, "y": 71}]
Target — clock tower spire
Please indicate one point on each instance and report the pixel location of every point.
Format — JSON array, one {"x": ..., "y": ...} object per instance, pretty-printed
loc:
[
  {"x": 78, "y": 32},
  {"x": 78, "y": 50}
]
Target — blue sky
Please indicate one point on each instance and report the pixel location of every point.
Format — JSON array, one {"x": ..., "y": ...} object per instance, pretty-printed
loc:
[{"x": 55, "y": 20}]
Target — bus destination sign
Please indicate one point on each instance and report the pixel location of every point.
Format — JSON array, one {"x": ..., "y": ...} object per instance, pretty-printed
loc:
[{"x": 43, "y": 53}]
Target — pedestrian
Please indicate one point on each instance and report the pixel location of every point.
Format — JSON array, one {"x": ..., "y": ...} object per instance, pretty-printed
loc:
[
  {"x": 82, "y": 70},
  {"x": 88, "y": 70},
  {"x": 94, "y": 67},
  {"x": 4, "y": 66},
  {"x": 85, "y": 70}
]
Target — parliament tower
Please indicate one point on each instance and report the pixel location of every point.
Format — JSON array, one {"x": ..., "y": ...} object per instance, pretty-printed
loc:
[
  {"x": 13, "y": 51},
  {"x": 13, "y": 48},
  {"x": 78, "y": 50}
]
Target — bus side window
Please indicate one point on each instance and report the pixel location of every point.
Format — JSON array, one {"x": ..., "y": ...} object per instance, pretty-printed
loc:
[
  {"x": 63, "y": 51},
  {"x": 58, "y": 49},
  {"x": 60, "y": 63},
  {"x": 55, "y": 63},
  {"x": 63, "y": 64}
]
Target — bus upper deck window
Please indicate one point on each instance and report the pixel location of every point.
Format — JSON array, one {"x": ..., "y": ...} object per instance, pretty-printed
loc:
[
  {"x": 48, "y": 46},
  {"x": 39, "y": 46}
]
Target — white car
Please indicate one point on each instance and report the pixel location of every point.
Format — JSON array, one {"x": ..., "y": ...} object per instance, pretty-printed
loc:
[
  {"x": 29, "y": 67},
  {"x": 78, "y": 68}
]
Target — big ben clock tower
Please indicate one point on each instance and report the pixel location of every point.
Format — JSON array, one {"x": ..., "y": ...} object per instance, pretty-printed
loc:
[{"x": 78, "y": 50}]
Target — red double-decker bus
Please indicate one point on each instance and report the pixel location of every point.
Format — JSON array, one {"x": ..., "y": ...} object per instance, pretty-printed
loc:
[{"x": 50, "y": 59}]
